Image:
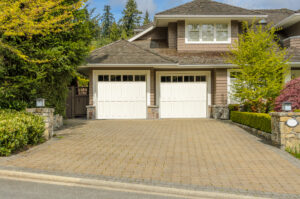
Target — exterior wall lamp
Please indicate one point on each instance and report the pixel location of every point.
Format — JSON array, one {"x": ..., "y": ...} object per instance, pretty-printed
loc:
[{"x": 40, "y": 102}]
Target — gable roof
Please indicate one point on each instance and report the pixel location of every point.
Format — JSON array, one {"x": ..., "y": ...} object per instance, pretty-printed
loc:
[
  {"x": 123, "y": 52},
  {"x": 207, "y": 7},
  {"x": 276, "y": 15}
]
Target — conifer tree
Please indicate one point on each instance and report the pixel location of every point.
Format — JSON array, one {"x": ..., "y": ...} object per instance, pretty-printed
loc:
[
  {"x": 146, "y": 19},
  {"x": 131, "y": 17},
  {"x": 107, "y": 19}
]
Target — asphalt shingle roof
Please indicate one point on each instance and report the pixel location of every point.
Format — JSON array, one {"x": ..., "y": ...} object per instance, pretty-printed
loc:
[
  {"x": 276, "y": 15},
  {"x": 124, "y": 52},
  {"x": 207, "y": 7}
]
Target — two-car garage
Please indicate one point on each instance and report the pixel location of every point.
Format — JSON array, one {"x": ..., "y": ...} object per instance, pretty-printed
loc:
[{"x": 127, "y": 94}]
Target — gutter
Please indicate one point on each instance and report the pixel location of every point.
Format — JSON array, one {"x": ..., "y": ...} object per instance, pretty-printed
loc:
[
  {"x": 285, "y": 22},
  {"x": 209, "y": 16}
]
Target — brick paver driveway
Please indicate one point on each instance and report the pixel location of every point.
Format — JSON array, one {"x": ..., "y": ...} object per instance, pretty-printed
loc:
[{"x": 204, "y": 153}]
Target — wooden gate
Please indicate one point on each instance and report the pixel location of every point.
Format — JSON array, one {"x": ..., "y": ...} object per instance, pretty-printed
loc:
[{"x": 77, "y": 101}]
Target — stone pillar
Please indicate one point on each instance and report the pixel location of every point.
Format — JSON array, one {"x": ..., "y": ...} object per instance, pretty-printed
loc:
[
  {"x": 91, "y": 112},
  {"x": 153, "y": 112},
  {"x": 48, "y": 115},
  {"x": 283, "y": 135},
  {"x": 220, "y": 112}
]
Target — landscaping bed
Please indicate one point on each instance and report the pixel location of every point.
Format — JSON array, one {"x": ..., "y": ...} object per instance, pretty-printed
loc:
[{"x": 19, "y": 130}]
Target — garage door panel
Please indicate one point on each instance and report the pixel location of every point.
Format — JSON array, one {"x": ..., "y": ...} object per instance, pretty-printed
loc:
[
  {"x": 183, "y": 99},
  {"x": 122, "y": 100}
]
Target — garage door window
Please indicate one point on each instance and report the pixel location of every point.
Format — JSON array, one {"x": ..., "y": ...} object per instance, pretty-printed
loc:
[
  {"x": 165, "y": 78},
  {"x": 189, "y": 78},
  {"x": 140, "y": 78},
  {"x": 200, "y": 78},
  {"x": 115, "y": 78},
  {"x": 128, "y": 78},
  {"x": 177, "y": 79},
  {"x": 103, "y": 78}
]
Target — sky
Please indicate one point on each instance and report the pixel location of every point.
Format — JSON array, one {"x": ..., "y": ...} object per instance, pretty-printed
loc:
[{"x": 155, "y": 6}]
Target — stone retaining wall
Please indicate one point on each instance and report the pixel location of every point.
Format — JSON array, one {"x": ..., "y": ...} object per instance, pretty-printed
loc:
[
  {"x": 283, "y": 135},
  {"x": 220, "y": 112},
  {"x": 52, "y": 122}
]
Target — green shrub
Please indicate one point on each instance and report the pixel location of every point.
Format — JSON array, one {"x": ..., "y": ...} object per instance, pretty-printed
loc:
[
  {"x": 297, "y": 110},
  {"x": 19, "y": 129},
  {"x": 260, "y": 121},
  {"x": 234, "y": 107}
]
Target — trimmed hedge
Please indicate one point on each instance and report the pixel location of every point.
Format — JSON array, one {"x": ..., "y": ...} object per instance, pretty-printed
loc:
[
  {"x": 19, "y": 129},
  {"x": 260, "y": 121}
]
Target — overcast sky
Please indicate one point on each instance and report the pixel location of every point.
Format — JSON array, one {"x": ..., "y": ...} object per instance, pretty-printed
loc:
[{"x": 154, "y": 6}]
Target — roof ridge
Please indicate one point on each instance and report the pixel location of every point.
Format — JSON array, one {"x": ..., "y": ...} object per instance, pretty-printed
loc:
[
  {"x": 175, "y": 7},
  {"x": 154, "y": 53},
  {"x": 233, "y": 6},
  {"x": 105, "y": 46}
]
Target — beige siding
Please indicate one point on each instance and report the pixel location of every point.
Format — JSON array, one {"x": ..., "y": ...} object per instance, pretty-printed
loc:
[
  {"x": 182, "y": 46},
  {"x": 172, "y": 35},
  {"x": 219, "y": 86},
  {"x": 156, "y": 34},
  {"x": 292, "y": 42},
  {"x": 91, "y": 87}
]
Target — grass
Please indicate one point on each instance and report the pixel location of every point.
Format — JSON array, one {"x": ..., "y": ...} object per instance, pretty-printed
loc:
[{"x": 296, "y": 155}]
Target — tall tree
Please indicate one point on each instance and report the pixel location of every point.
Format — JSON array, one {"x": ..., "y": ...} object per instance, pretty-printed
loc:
[
  {"x": 131, "y": 17},
  {"x": 146, "y": 19},
  {"x": 22, "y": 80},
  {"x": 114, "y": 32},
  {"x": 29, "y": 18},
  {"x": 107, "y": 20},
  {"x": 262, "y": 66}
]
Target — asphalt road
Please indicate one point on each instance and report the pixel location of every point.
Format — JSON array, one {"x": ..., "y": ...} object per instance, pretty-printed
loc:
[{"x": 12, "y": 189}]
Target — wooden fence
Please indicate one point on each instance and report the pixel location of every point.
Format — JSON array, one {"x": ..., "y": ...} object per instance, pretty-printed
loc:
[{"x": 77, "y": 101}]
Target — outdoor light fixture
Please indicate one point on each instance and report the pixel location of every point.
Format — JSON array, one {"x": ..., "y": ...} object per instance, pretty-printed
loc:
[
  {"x": 40, "y": 102},
  {"x": 287, "y": 106}
]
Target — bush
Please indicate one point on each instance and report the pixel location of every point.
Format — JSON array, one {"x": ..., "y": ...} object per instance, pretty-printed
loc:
[
  {"x": 234, "y": 107},
  {"x": 297, "y": 111},
  {"x": 260, "y": 121},
  {"x": 290, "y": 93},
  {"x": 19, "y": 129}
]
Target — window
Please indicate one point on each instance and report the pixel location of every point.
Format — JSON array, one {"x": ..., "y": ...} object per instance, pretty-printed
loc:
[
  {"x": 221, "y": 32},
  {"x": 189, "y": 79},
  {"x": 200, "y": 78},
  {"x": 103, "y": 78},
  {"x": 140, "y": 78},
  {"x": 115, "y": 78},
  {"x": 194, "y": 32},
  {"x": 165, "y": 79},
  {"x": 127, "y": 78},
  {"x": 208, "y": 33},
  {"x": 177, "y": 79}
]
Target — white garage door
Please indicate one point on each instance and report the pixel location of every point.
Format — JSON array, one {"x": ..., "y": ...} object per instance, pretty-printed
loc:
[
  {"x": 121, "y": 97},
  {"x": 183, "y": 96}
]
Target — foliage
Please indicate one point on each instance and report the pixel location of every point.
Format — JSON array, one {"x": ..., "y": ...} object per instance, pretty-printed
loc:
[
  {"x": 295, "y": 152},
  {"x": 290, "y": 93},
  {"x": 21, "y": 81},
  {"x": 107, "y": 19},
  {"x": 262, "y": 66},
  {"x": 260, "y": 121},
  {"x": 146, "y": 19},
  {"x": 82, "y": 81},
  {"x": 26, "y": 19},
  {"x": 131, "y": 17},
  {"x": 19, "y": 129},
  {"x": 233, "y": 107},
  {"x": 297, "y": 111},
  {"x": 114, "y": 32}
]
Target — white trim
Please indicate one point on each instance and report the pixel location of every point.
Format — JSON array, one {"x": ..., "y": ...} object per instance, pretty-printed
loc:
[
  {"x": 209, "y": 16},
  {"x": 141, "y": 34},
  {"x": 215, "y": 33},
  {"x": 208, "y": 81},
  {"x": 158, "y": 66},
  {"x": 288, "y": 21},
  {"x": 119, "y": 72},
  {"x": 292, "y": 37}
]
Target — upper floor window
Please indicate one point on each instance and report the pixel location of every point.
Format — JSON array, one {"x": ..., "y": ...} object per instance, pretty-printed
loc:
[{"x": 208, "y": 33}]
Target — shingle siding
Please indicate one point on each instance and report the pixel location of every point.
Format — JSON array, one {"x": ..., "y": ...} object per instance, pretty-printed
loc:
[
  {"x": 183, "y": 47},
  {"x": 219, "y": 77},
  {"x": 172, "y": 35}
]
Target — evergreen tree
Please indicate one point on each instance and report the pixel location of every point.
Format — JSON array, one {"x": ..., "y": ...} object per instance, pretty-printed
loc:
[
  {"x": 124, "y": 34},
  {"x": 114, "y": 32},
  {"x": 146, "y": 18},
  {"x": 107, "y": 20},
  {"x": 131, "y": 17}
]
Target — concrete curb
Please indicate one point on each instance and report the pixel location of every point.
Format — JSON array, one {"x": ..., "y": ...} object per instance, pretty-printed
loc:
[{"x": 128, "y": 187}]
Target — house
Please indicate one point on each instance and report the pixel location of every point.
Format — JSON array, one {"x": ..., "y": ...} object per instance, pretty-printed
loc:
[{"x": 176, "y": 67}]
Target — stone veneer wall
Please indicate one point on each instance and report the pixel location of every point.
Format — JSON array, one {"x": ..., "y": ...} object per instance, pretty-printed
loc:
[
  {"x": 48, "y": 115},
  {"x": 220, "y": 112},
  {"x": 284, "y": 136},
  {"x": 153, "y": 112}
]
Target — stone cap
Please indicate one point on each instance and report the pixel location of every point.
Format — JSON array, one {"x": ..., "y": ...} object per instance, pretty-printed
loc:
[
  {"x": 40, "y": 110},
  {"x": 285, "y": 114},
  {"x": 219, "y": 106},
  {"x": 153, "y": 106},
  {"x": 90, "y": 106}
]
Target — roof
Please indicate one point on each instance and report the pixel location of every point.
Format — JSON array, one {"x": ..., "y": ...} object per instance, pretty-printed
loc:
[
  {"x": 198, "y": 58},
  {"x": 276, "y": 15},
  {"x": 124, "y": 52},
  {"x": 207, "y": 7}
]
